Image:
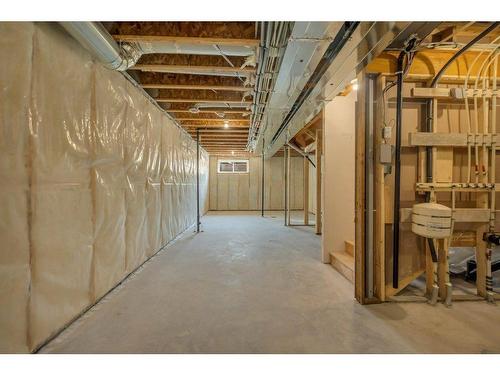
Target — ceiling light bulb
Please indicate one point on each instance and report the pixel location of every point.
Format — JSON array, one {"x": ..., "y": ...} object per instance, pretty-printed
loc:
[
  {"x": 355, "y": 86},
  {"x": 226, "y": 124},
  {"x": 232, "y": 152}
]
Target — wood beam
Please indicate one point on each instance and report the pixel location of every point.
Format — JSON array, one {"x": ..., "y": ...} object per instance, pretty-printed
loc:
[
  {"x": 306, "y": 191},
  {"x": 319, "y": 155},
  {"x": 224, "y": 140},
  {"x": 194, "y": 69},
  {"x": 220, "y": 131},
  {"x": 226, "y": 146},
  {"x": 195, "y": 87},
  {"x": 210, "y": 111},
  {"x": 236, "y": 137},
  {"x": 186, "y": 40},
  {"x": 428, "y": 62},
  {"x": 217, "y": 126},
  {"x": 222, "y": 120},
  {"x": 209, "y": 101}
]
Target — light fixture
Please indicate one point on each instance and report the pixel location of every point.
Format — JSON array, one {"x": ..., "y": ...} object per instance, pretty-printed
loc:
[
  {"x": 354, "y": 84},
  {"x": 232, "y": 152},
  {"x": 226, "y": 124}
]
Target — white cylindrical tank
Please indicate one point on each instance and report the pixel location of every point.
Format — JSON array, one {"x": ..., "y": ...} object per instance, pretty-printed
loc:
[{"x": 431, "y": 220}]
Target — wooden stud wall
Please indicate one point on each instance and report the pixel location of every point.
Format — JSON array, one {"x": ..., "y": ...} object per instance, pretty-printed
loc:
[
  {"x": 450, "y": 166},
  {"x": 240, "y": 191}
]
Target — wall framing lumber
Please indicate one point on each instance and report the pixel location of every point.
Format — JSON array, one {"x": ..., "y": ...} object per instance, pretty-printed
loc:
[
  {"x": 186, "y": 40},
  {"x": 319, "y": 184},
  {"x": 194, "y": 69},
  {"x": 359, "y": 241},
  {"x": 194, "y": 87}
]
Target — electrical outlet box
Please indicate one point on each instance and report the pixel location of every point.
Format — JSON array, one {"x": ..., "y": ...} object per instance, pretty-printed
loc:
[
  {"x": 387, "y": 132},
  {"x": 385, "y": 153}
]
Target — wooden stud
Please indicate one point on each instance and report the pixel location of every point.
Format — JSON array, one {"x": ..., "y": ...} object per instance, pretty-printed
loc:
[
  {"x": 359, "y": 239},
  {"x": 195, "y": 69},
  {"x": 225, "y": 111},
  {"x": 210, "y": 119},
  {"x": 379, "y": 199},
  {"x": 306, "y": 191},
  {"x": 186, "y": 40},
  {"x": 319, "y": 182},
  {"x": 209, "y": 101},
  {"x": 195, "y": 87},
  {"x": 288, "y": 166}
]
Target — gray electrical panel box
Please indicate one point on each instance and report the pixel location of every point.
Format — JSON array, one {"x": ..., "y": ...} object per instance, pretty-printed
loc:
[{"x": 385, "y": 153}]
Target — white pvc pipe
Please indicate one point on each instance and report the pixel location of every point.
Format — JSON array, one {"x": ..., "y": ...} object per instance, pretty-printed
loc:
[{"x": 96, "y": 39}]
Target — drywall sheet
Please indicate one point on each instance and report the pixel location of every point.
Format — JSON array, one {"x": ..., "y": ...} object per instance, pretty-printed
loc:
[
  {"x": 15, "y": 81},
  {"x": 84, "y": 182},
  {"x": 242, "y": 191},
  {"x": 338, "y": 172}
]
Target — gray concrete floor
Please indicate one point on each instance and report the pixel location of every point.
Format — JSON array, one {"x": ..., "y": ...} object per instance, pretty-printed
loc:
[{"x": 251, "y": 285}]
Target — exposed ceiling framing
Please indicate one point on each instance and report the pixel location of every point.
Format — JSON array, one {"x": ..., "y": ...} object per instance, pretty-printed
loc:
[
  {"x": 201, "y": 73},
  {"x": 204, "y": 74}
]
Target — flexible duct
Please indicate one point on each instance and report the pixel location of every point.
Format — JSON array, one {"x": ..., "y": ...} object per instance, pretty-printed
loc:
[{"x": 95, "y": 38}]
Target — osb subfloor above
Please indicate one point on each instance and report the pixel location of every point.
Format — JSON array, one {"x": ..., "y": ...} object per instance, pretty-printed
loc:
[{"x": 181, "y": 81}]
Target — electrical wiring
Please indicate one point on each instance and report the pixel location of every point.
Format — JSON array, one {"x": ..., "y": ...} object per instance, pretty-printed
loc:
[{"x": 410, "y": 52}]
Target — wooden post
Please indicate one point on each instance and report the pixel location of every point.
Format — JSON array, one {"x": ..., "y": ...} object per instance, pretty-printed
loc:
[
  {"x": 288, "y": 184},
  {"x": 285, "y": 171},
  {"x": 319, "y": 154},
  {"x": 359, "y": 216},
  {"x": 306, "y": 191},
  {"x": 379, "y": 197}
]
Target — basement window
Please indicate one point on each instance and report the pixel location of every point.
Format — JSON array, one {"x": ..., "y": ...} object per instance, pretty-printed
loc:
[{"x": 232, "y": 166}]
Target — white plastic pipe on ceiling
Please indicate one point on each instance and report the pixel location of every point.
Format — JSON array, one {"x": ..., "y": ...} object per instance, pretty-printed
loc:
[{"x": 96, "y": 39}]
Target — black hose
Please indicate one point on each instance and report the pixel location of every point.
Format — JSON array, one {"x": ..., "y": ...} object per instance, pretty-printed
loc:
[
  {"x": 462, "y": 50},
  {"x": 397, "y": 172}
]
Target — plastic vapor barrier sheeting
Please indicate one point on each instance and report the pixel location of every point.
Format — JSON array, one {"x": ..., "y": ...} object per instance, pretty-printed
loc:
[{"x": 95, "y": 179}]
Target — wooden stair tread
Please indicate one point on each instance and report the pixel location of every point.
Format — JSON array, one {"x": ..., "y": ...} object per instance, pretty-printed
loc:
[
  {"x": 349, "y": 247},
  {"x": 343, "y": 262}
]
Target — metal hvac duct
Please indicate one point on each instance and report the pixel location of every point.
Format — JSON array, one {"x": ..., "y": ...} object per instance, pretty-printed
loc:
[{"x": 95, "y": 38}]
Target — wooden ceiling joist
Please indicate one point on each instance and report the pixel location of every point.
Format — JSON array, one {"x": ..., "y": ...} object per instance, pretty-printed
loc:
[
  {"x": 214, "y": 126},
  {"x": 222, "y": 120},
  {"x": 238, "y": 145},
  {"x": 219, "y": 131},
  {"x": 428, "y": 62},
  {"x": 210, "y": 111},
  {"x": 188, "y": 100},
  {"x": 179, "y": 79},
  {"x": 195, "y": 87},
  {"x": 223, "y": 136},
  {"x": 187, "y": 40},
  {"x": 194, "y": 69}
]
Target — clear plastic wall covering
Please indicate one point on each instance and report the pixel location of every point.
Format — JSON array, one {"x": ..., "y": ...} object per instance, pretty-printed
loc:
[{"x": 95, "y": 179}]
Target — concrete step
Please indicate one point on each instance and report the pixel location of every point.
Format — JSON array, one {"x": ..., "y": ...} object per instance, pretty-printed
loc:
[
  {"x": 349, "y": 247},
  {"x": 343, "y": 262}
]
